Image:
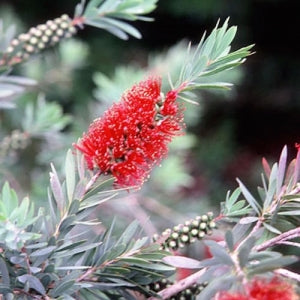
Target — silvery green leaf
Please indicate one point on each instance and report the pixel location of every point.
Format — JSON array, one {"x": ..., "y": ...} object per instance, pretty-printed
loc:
[
  {"x": 272, "y": 187},
  {"x": 57, "y": 190},
  {"x": 67, "y": 223},
  {"x": 79, "y": 9},
  {"x": 62, "y": 287},
  {"x": 182, "y": 262},
  {"x": 213, "y": 85},
  {"x": 281, "y": 170},
  {"x": 247, "y": 220},
  {"x": 5, "y": 279},
  {"x": 219, "y": 252},
  {"x": 225, "y": 40},
  {"x": 218, "y": 283},
  {"x": 245, "y": 250},
  {"x": 271, "y": 264},
  {"x": 271, "y": 228},
  {"x": 229, "y": 240},
  {"x": 263, "y": 255},
  {"x": 231, "y": 199},
  {"x": 290, "y": 213},
  {"x": 70, "y": 175},
  {"x": 128, "y": 233},
  {"x": 74, "y": 207},
  {"x": 250, "y": 199},
  {"x": 44, "y": 251},
  {"x": 9, "y": 199},
  {"x": 80, "y": 249},
  {"x": 33, "y": 282},
  {"x": 70, "y": 245}
]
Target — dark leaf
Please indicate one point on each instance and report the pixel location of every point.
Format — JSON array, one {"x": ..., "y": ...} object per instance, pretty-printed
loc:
[
  {"x": 4, "y": 272},
  {"x": 33, "y": 282}
]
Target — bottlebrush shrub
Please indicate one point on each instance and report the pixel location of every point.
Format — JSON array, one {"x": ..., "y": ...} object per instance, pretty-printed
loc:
[{"x": 58, "y": 253}]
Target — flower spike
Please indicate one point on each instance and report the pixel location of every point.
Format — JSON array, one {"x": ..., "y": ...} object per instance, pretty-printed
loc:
[{"x": 133, "y": 135}]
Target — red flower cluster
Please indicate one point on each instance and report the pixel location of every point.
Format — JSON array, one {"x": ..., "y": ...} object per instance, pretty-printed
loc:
[
  {"x": 132, "y": 136},
  {"x": 262, "y": 289}
]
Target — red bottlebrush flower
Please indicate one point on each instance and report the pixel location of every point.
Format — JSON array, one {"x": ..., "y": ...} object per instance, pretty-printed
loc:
[
  {"x": 132, "y": 136},
  {"x": 262, "y": 289},
  {"x": 275, "y": 289}
]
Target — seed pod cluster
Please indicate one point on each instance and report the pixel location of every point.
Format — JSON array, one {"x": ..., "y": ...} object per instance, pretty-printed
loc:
[
  {"x": 187, "y": 294},
  {"x": 39, "y": 38},
  {"x": 184, "y": 234}
]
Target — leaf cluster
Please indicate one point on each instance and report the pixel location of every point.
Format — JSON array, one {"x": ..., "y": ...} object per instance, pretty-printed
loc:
[
  {"x": 61, "y": 255},
  {"x": 277, "y": 203},
  {"x": 109, "y": 15},
  {"x": 211, "y": 56}
]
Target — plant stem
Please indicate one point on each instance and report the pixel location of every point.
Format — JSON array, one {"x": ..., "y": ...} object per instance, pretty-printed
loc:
[
  {"x": 287, "y": 273},
  {"x": 291, "y": 234},
  {"x": 179, "y": 286}
]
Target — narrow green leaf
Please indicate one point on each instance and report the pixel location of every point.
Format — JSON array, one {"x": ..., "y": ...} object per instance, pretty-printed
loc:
[
  {"x": 33, "y": 282},
  {"x": 290, "y": 213},
  {"x": 225, "y": 41},
  {"x": 213, "y": 85},
  {"x": 44, "y": 251},
  {"x": 9, "y": 199},
  {"x": 74, "y": 207},
  {"x": 62, "y": 287},
  {"x": 5, "y": 279},
  {"x": 230, "y": 200},
  {"x": 220, "y": 283},
  {"x": 57, "y": 190},
  {"x": 219, "y": 252},
  {"x": 250, "y": 199},
  {"x": 272, "y": 187},
  {"x": 281, "y": 170},
  {"x": 76, "y": 250},
  {"x": 271, "y": 228},
  {"x": 271, "y": 264},
  {"x": 129, "y": 233},
  {"x": 182, "y": 262},
  {"x": 122, "y": 26},
  {"x": 113, "y": 30},
  {"x": 247, "y": 220},
  {"x": 70, "y": 175},
  {"x": 245, "y": 250},
  {"x": 229, "y": 240}
]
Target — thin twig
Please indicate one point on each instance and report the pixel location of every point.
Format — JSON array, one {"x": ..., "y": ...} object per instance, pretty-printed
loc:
[
  {"x": 291, "y": 234},
  {"x": 289, "y": 274},
  {"x": 294, "y": 244},
  {"x": 179, "y": 286}
]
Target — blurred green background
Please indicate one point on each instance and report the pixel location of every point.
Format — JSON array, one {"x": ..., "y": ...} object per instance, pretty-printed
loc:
[{"x": 227, "y": 134}]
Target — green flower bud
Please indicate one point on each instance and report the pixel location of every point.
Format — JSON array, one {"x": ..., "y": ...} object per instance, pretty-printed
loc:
[
  {"x": 185, "y": 229},
  {"x": 33, "y": 41},
  {"x": 202, "y": 225},
  {"x": 185, "y": 238},
  {"x": 204, "y": 218}
]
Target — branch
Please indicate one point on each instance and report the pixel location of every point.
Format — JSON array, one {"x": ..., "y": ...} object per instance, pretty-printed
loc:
[
  {"x": 289, "y": 274},
  {"x": 291, "y": 234},
  {"x": 289, "y": 244},
  {"x": 179, "y": 286}
]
